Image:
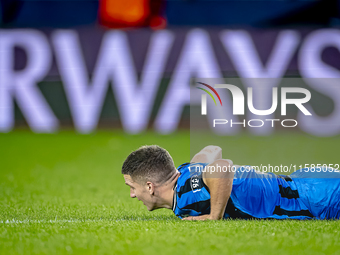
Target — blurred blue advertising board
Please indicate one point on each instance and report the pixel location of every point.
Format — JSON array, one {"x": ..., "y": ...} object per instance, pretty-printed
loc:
[{"x": 57, "y": 77}]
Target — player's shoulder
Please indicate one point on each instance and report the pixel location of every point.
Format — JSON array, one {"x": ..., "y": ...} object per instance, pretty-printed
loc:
[
  {"x": 190, "y": 187},
  {"x": 190, "y": 171},
  {"x": 183, "y": 167},
  {"x": 191, "y": 167}
]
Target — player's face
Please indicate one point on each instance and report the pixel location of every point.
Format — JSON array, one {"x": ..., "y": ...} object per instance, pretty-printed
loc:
[{"x": 139, "y": 191}]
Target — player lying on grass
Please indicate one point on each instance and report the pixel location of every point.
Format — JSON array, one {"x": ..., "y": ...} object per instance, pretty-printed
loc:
[{"x": 194, "y": 191}]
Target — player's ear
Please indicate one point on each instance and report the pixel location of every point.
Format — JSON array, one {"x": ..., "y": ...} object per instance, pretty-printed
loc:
[{"x": 150, "y": 187}]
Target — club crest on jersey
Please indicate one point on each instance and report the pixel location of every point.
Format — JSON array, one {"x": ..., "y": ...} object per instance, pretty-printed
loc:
[{"x": 195, "y": 183}]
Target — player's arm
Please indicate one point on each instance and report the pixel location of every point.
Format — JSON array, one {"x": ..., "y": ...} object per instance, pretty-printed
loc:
[
  {"x": 220, "y": 185},
  {"x": 208, "y": 154}
]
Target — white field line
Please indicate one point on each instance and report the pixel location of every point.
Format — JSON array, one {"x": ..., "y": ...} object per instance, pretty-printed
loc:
[
  {"x": 46, "y": 221},
  {"x": 13, "y": 221}
]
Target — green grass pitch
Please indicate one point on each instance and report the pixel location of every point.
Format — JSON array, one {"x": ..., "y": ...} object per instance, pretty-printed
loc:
[{"x": 64, "y": 194}]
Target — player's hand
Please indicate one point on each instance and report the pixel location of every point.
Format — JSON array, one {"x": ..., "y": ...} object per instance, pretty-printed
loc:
[{"x": 202, "y": 217}]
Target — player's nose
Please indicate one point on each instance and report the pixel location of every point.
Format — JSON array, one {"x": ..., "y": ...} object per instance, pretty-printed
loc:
[{"x": 132, "y": 195}]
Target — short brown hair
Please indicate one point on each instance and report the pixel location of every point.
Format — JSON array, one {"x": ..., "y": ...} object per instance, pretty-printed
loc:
[{"x": 149, "y": 163}]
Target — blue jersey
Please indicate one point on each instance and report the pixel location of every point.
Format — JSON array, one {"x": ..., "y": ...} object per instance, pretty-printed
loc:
[{"x": 261, "y": 195}]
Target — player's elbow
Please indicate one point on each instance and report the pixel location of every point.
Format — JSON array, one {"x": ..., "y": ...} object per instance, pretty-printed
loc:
[
  {"x": 208, "y": 154},
  {"x": 223, "y": 162},
  {"x": 212, "y": 149}
]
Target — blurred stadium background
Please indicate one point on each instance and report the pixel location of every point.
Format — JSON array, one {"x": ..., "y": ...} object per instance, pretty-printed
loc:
[{"x": 85, "y": 82}]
